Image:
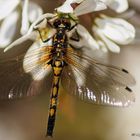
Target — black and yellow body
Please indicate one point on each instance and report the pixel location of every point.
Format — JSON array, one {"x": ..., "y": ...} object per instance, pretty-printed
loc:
[
  {"x": 55, "y": 56},
  {"x": 58, "y": 50},
  {"x": 57, "y": 69}
]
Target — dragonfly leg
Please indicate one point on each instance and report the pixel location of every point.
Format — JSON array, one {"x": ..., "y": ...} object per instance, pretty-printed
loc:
[
  {"x": 44, "y": 41},
  {"x": 75, "y": 37}
]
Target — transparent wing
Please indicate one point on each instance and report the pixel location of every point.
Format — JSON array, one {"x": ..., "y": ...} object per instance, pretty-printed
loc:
[
  {"x": 95, "y": 82},
  {"x": 24, "y": 74}
]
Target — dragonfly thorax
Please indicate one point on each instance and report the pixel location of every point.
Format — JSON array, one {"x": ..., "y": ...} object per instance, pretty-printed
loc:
[
  {"x": 60, "y": 39},
  {"x": 59, "y": 44}
]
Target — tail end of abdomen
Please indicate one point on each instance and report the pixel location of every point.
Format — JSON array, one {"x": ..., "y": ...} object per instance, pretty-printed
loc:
[{"x": 51, "y": 122}]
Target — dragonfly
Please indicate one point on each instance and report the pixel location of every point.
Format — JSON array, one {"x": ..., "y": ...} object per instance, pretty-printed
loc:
[{"x": 66, "y": 66}]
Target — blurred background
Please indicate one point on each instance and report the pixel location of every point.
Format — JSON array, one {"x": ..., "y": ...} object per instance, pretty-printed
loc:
[{"x": 26, "y": 119}]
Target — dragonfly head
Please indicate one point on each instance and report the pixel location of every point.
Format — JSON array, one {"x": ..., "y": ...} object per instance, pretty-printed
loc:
[{"x": 62, "y": 23}]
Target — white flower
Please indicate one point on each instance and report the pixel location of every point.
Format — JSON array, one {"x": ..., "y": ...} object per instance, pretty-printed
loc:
[
  {"x": 86, "y": 39},
  {"x": 85, "y": 6},
  {"x": 94, "y": 5},
  {"x": 32, "y": 33},
  {"x": 117, "y": 5},
  {"x": 110, "y": 31},
  {"x": 31, "y": 11},
  {"x": 10, "y": 15}
]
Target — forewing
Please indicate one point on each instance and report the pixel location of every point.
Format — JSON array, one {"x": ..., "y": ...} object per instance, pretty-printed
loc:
[{"x": 101, "y": 72}]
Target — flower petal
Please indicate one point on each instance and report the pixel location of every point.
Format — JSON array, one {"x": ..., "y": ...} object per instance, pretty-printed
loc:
[
  {"x": 77, "y": 1},
  {"x": 111, "y": 45},
  {"x": 88, "y": 6},
  {"x": 31, "y": 12},
  {"x": 31, "y": 34},
  {"x": 31, "y": 65},
  {"x": 102, "y": 45},
  {"x": 6, "y": 7},
  {"x": 118, "y": 30},
  {"x": 40, "y": 22},
  {"x": 9, "y": 24},
  {"x": 117, "y": 5},
  {"x": 66, "y": 7},
  {"x": 35, "y": 11},
  {"x": 25, "y": 20},
  {"x": 88, "y": 40},
  {"x": 20, "y": 40}
]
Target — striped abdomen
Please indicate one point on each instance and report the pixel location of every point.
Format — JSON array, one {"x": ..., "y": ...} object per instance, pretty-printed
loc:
[{"x": 57, "y": 69}]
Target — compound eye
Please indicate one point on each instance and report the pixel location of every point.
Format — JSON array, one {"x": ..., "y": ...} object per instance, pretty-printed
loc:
[
  {"x": 67, "y": 23},
  {"x": 57, "y": 23}
]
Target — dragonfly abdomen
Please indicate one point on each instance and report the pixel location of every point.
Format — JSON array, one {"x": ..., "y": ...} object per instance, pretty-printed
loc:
[{"x": 57, "y": 69}]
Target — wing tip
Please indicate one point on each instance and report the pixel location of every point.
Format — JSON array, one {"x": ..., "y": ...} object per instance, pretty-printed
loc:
[
  {"x": 132, "y": 96},
  {"x": 128, "y": 89},
  {"x": 124, "y": 70},
  {"x": 133, "y": 81}
]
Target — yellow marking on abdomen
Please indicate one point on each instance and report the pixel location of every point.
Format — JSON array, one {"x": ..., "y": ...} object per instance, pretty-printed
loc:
[
  {"x": 56, "y": 80},
  {"x": 54, "y": 91},
  {"x": 51, "y": 112},
  {"x": 57, "y": 70},
  {"x": 57, "y": 63},
  {"x": 53, "y": 102}
]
